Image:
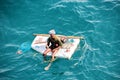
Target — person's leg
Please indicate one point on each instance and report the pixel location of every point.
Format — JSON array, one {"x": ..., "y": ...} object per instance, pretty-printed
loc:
[
  {"x": 53, "y": 54},
  {"x": 45, "y": 52}
]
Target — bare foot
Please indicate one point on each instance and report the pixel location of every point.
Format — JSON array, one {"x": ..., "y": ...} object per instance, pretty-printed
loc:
[{"x": 19, "y": 52}]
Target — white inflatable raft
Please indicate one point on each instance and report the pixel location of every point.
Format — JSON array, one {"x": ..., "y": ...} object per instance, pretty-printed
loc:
[{"x": 67, "y": 50}]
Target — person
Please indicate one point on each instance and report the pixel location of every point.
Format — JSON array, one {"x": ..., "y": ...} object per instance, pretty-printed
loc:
[{"x": 53, "y": 44}]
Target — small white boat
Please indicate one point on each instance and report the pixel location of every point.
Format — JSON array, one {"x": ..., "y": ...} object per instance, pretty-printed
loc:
[{"x": 67, "y": 50}]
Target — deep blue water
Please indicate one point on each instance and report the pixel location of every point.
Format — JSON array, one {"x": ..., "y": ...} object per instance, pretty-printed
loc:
[{"x": 97, "y": 57}]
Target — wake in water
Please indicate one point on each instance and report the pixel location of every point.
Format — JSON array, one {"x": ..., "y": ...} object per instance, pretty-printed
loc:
[
  {"x": 92, "y": 60},
  {"x": 83, "y": 49}
]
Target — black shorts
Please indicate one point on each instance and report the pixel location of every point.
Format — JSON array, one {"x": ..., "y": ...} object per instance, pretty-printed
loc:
[{"x": 52, "y": 47}]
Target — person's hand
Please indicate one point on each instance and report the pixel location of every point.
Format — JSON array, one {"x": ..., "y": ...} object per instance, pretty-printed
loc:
[
  {"x": 47, "y": 47},
  {"x": 56, "y": 45}
]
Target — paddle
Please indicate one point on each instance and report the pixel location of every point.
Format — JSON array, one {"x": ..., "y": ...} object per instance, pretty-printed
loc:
[{"x": 74, "y": 37}]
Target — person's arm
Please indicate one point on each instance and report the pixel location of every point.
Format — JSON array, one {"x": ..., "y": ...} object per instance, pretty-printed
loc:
[
  {"x": 59, "y": 42},
  {"x": 48, "y": 43}
]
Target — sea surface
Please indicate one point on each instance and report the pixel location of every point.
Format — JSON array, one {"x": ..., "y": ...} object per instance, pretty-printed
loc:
[{"x": 97, "y": 56}]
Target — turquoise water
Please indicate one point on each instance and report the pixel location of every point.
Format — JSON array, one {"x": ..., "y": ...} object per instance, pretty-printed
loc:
[{"x": 97, "y": 57}]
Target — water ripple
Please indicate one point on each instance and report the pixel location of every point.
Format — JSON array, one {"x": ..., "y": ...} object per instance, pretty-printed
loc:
[{"x": 4, "y": 70}]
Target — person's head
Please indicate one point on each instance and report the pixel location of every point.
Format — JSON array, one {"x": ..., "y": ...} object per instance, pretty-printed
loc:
[{"x": 52, "y": 33}]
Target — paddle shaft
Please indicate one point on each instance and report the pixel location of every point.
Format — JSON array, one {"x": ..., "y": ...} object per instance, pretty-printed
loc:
[{"x": 74, "y": 37}]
